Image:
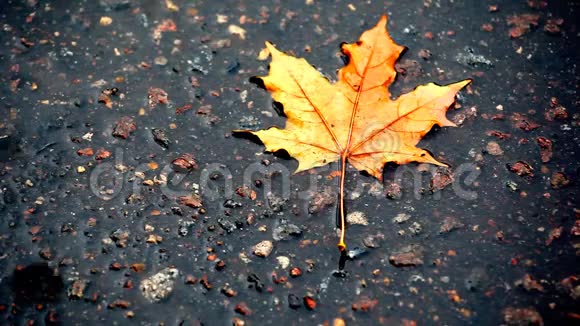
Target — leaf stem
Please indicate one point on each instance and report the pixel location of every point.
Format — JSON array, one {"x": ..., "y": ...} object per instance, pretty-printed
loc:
[{"x": 341, "y": 243}]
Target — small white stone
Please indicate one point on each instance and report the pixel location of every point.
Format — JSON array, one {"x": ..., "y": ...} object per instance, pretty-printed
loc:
[
  {"x": 88, "y": 136},
  {"x": 121, "y": 168},
  {"x": 283, "y": 261},
  {"x": 401, "y": 218},
  {"x": 244, "y": 258},
  {"x": 160, "y": 285},
  {"x": 237, "y": 30},
  {"x": 416, "y": 228},
  {"x": 160, "y": 61},
  {"x": 263, "y": 248},
  {"x": 357, "y": 218}
]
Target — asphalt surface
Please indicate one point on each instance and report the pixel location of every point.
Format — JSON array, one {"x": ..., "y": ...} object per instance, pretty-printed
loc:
[{"x": 101, "y": 225}]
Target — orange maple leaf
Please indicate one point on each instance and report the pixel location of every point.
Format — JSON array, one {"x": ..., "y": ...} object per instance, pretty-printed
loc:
[{"x": 353, "y": 119}]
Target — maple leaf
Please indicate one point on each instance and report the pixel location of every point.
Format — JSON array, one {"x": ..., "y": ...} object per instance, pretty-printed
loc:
[{"x": 353, "y": 119}]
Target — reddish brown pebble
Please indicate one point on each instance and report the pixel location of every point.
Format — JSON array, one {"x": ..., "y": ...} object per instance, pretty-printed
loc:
[
  {"x": 279, "y": 279},
  {"x": 116, "y": 266},
  {"x": 411, "y": 255},
  {"x": 138, "y": 267},
  {"x": 521, "y": 168},
  {"x": 85, "y": 152},
  {"x": 559, "y": 180},
  {"x": 157, "y": 96},
  {"x": 309, "y": 302},
  {"x": 246, "y": 192},
  {"x": 229, "y": 292},
  {"x": 487, "y": 27},
  {"x": 242, "y": 309},
  {"x": 522, "y": 24},
  {"x": 555, "y": 111},
  {"x": 364, "y": 304},
  {"x": 205, "y": 282},
  {"x": 102, "y": 154},
  {"x": 498, "y": 134},
  {"x": 295, "y": 272},
  {"x": 220, "y": 265},
  {"x": 123, "y": 304},
  {"x": 211, "y": 257},
  {"x": 545, "y": 148},
  {"x": 523, "y": 122},
  {"x": 190, "y": 279},
  {"x": 183, "y": 109},
  {"x": 184, "y": 163},
  {"x": 522, "y": 316},
  {"x": 124, "y": 127},
  {"x": 193, "y": 201}
]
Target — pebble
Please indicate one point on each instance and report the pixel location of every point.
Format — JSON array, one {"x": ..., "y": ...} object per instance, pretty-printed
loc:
[
  {"x": 470, "y": 58},
  {"x": 237, "y": 30},
  {"x": 357, "y": 217},
  {"x": 124, "y": 127},
  {"x": 416, "y": 228},
  {"x": 309, "y": 302},
  {"x": 160, "y": 61},
  {"x": 286, "y": 231},
  {"x": 160, "y": 137},
  {"x": 105, "y": 21},
  {"x": 401, "y": 218},
  {"x": 338, "y": 322},
  {"x": 449, "y": 224},
  {"x": 373, "y": 241},
  {"x": 276, "y": 203},
  {"x": 283, "y": 261},
  {"x": 160, "y": 285},
  {"x": 263, "y": 248},
  {"x": 294, "y": 301},
  {"x": 559, "y": 180},
  {"x": 411, "y": 255},
  {"x": 184, "y": 162},
  {"x": 493, "y": 148},
  {"x": 77, "y": 289}
]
